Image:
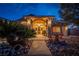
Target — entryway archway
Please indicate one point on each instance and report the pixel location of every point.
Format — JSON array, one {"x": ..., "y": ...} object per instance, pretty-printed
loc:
[{"x": 39, "y": 26}]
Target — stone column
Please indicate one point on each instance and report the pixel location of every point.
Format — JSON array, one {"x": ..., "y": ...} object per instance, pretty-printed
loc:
[
  {"x": 64, "y": 30},
  {"x": 49, "y": 28},
  {"x": 29, "y": 23}
]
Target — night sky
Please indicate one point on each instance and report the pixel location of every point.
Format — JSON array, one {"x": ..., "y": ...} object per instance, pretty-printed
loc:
[{"x": 15, "y": 11}]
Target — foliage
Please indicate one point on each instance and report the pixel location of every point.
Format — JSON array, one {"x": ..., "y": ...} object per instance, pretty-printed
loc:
[
  {"x": 24, "y": 32},
  {"x": 12, "y": 30},
  {"x": 17, "y": 50},
  {"x": 70, "y": 12}
]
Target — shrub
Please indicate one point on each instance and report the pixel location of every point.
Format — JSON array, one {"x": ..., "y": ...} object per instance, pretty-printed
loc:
[{"x": 12, "y": 30}]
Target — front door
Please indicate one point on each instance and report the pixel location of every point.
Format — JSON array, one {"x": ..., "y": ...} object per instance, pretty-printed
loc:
[{"x": 39, "y": 26}]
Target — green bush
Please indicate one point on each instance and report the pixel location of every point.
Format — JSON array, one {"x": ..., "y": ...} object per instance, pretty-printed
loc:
[{"x": 13, "y": 30}]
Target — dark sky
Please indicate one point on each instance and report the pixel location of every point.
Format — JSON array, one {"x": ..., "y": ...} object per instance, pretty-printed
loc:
[{"x": 15, "y": 11}]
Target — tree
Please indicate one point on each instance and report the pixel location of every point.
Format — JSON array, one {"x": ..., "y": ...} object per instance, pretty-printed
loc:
[
  {"x": 19, "y": 31},
  {"x": 12, "y": 30},
  {"x": 3, "y": 23},
  {"x": 70, "y": 13}
]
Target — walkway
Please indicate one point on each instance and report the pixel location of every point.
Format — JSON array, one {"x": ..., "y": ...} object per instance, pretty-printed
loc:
[{"x": 39, "y": 48}]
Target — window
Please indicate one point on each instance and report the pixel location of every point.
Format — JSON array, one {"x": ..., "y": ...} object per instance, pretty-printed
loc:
[{"x": 56, "y": 29}]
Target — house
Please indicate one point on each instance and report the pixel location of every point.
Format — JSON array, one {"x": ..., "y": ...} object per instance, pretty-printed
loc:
[{"x": 43, "y": 24}]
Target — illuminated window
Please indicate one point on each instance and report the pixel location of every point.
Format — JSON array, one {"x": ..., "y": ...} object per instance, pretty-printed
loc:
[{"x": 58, "y": 29}]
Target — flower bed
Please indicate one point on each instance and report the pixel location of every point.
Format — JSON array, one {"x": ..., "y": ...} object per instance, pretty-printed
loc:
[
  {"x": 17, "y": 50},
  {"x": 61, "y": 48}
]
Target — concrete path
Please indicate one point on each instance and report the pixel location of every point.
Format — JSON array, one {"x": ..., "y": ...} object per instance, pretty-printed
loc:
[{"x": 39, "y": 48}]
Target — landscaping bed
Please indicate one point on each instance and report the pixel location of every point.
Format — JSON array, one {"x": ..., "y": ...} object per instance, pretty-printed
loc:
[
  {"x": 17, "y": 50},
  {"x": 63, "y": 48}
]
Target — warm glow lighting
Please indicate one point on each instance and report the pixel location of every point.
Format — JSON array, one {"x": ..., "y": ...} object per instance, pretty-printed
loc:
[
  {"x": 38, "y": 24},
  {"x": 49, "y": 23},
  {"x": 28, "y": 22},
  {"x": 66, "y": 27},
  {"x": 23, "y": 22}
]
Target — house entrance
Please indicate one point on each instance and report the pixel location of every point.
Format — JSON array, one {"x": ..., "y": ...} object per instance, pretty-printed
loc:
[{"x": 39, "y": 26}]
